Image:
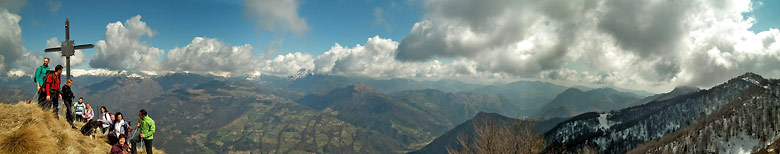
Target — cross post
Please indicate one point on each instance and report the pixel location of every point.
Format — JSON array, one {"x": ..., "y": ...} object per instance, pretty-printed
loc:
[{"x": 68, "y": 49}]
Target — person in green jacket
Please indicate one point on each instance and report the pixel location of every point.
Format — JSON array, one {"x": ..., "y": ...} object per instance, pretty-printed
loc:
[
  {"x": 39, "y": 74},
  {"x": 146, "y": 127}
]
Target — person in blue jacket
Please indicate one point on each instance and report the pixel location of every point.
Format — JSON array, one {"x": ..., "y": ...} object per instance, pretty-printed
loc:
[{"x": 38, "y": 78}]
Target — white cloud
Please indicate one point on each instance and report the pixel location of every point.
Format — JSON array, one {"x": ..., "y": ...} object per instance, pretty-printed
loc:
[
  {"x": 287, "y": 64},
  {"x": 123, "y": 50},
  {"x": 514, "y": 37},
  {"x": 13, "y": 55},
  {"x": 643, "y": 44},
  {"x": 277, "y": 15},
  {"x": 210, "y": 55},
  {"x": 56, "y": 58},
  {"x": 376, "y": 59}
]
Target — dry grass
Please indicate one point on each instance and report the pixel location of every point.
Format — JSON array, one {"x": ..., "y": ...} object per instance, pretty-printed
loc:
[{"x": 28, "y": 129}]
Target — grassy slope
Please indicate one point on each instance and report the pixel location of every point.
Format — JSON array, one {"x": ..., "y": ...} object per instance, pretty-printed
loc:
[{"x": 28, "y": 129}]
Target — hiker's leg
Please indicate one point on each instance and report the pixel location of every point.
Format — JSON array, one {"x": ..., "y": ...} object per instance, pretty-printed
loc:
[
  {"x": 133, "y": 143},
  {"x": 68, "y": 112},
  {"x": 56, "y": 107},
  {"x": 148, "y": 145},
  {"x": 41, "y": 97}
]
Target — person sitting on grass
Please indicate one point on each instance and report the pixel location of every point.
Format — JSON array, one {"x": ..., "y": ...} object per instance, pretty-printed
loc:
[
  {"x": 78, "y": 108},
  {"x": 120, "y": 147},
  {"x": 120, "y": 127},
  {"x": 88, "y": 114},
  {"x": 105, "y": 118}
]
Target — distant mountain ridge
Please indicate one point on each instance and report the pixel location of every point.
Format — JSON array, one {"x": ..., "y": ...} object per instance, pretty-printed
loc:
[
  {"x": 575, "y": 101},
  {"x": 531, "y": 94},
  {"x": 361, "y": 106},
  {"x": 455, "y": 108}
]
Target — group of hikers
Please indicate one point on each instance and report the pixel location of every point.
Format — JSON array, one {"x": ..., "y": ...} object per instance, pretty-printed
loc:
[{"x": 119, "y": 130}]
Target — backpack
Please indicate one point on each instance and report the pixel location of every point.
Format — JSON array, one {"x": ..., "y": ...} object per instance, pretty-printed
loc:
[
  {"x": 125, "y": 127},
  {"x": 46, "y": 77}
]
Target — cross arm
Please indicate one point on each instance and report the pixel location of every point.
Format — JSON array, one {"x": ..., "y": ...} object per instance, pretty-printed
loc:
[
  {"x": 53, "y": 49},
  {"x": 83, "y": 46}
]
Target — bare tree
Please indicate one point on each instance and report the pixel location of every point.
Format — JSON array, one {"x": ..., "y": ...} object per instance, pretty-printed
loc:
[{"x": 494, "y": 137}]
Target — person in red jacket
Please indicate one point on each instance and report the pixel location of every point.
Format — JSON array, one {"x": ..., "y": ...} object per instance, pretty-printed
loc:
[{"x": 51, "y": 87}]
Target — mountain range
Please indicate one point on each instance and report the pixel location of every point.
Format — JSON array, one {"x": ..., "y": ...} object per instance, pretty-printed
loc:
[
  {"x": 574, "y": 101},
  {"x": 333, "y": 114}
]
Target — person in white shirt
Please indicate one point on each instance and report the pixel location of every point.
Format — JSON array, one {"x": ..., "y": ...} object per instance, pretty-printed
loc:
[
  {"x": 105, "y": 118},
  {"x": 120, "y": 127}
]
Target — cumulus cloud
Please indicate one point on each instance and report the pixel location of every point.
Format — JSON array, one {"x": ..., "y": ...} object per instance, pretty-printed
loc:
[
  {"x": 210, "y": 55},
  {"x": 277, "y": 15},
  {"x": 13, "y": 55},
  {"x": 123, "y": 50},
  {"x": 374, "y": 59},
  {"x": 56, "y": 58},
  {"x": 515, "y": 37},
  {"x": 643, "y": 44},
  {"x": 287, "y": 64}
]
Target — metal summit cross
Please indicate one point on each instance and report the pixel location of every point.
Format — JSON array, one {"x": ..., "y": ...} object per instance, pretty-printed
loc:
[{"x": 68, "y": 49}]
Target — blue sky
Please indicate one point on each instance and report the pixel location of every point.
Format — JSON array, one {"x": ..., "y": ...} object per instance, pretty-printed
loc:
[
  {"x": 767, "y": 15},
  {"x": 176, "y": 23}
]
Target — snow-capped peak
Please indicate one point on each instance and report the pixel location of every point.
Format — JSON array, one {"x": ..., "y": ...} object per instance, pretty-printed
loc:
[{"x": 302, "y": 73}]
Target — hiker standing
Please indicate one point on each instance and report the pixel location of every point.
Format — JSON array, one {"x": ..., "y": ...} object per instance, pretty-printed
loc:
[
  {"x": 67, "y": 99},
  {"x": 40, "y": 73},
  {"x": 88, "y": 114},
  {"x": 79, "y": 109},
  {"x": 51, "y": 88},
  {"x": 120, "y": 127},
  {"x": 146, "y": 127},
  {"x": 120, "y": 147},
  {"x": 105, "y": 118}
]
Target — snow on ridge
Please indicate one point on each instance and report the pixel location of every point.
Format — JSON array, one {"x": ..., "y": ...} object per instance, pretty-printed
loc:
[
  {"x": 751, "y": 80},
  {"x": 93, "y": 72},
  {"x": 134, "y": 75},
  {"x": 603, "y": 122},
  {"x": 741, "y": 143},
  {"x": 17, "y": 73}
]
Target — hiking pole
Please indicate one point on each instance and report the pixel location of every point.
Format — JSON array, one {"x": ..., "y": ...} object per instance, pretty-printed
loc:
[
  {"x": 135, "y": 133},
  {"x": 35, "y": 97}
]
